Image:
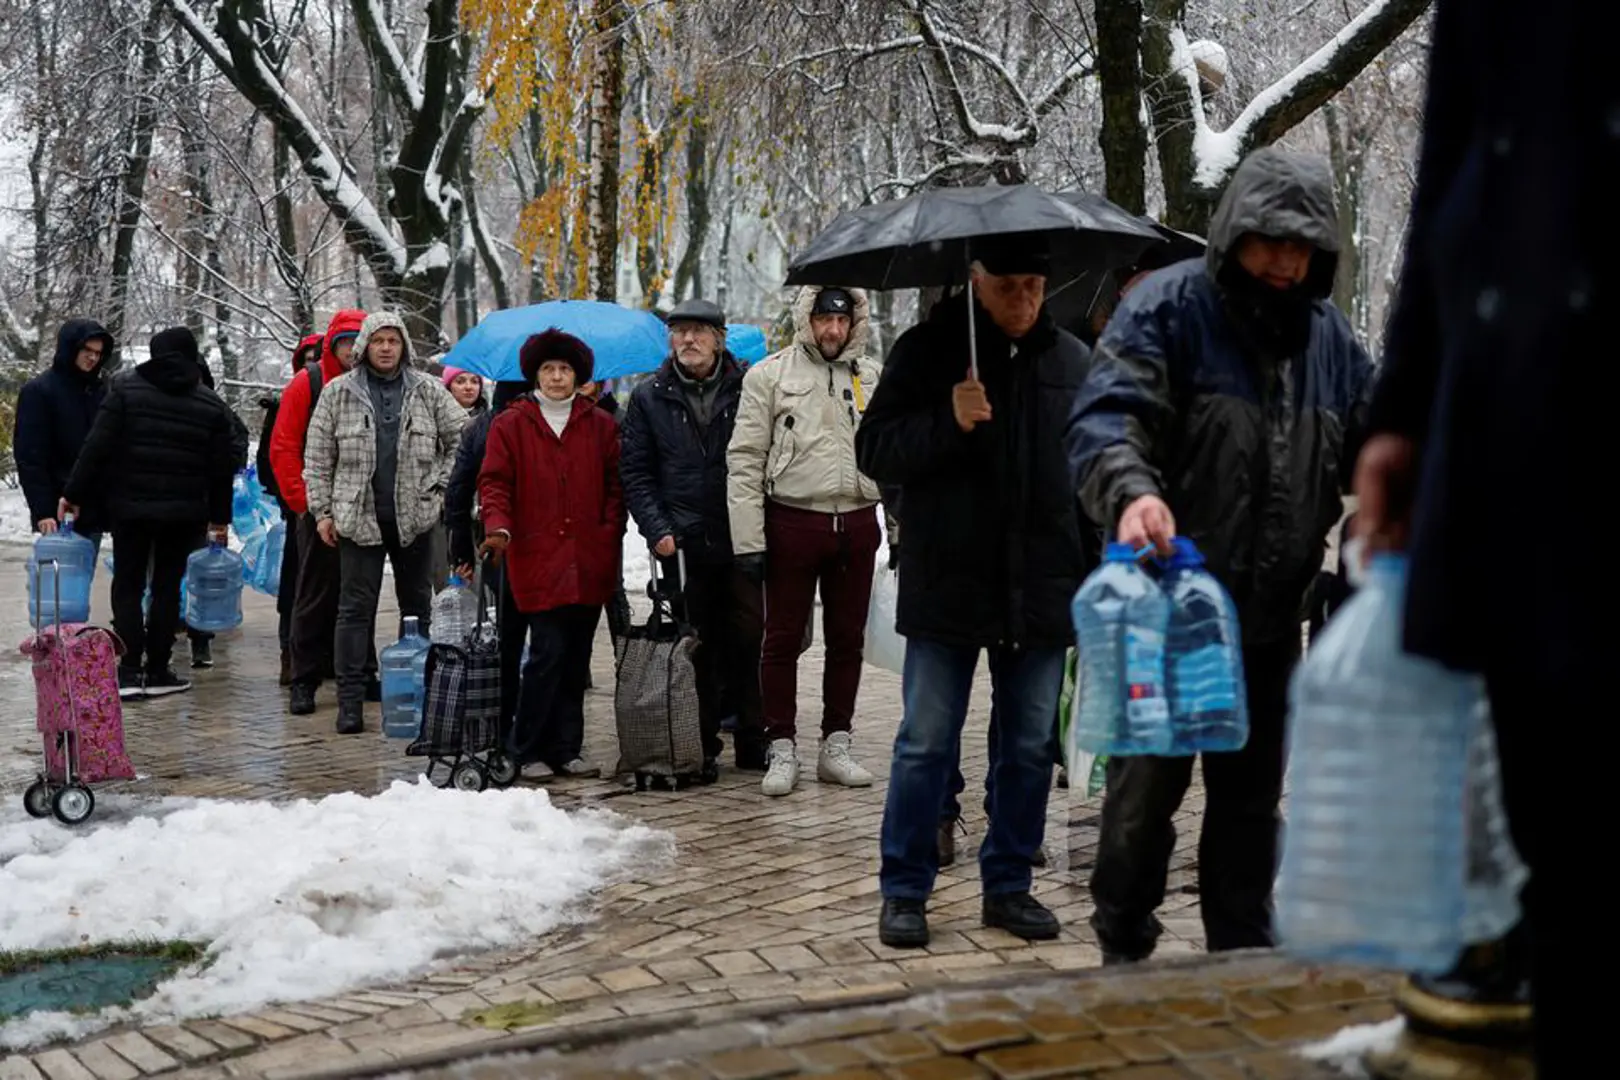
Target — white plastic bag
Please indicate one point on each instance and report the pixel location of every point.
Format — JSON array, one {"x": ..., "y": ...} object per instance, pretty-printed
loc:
[{"x": 885, "y": 648}]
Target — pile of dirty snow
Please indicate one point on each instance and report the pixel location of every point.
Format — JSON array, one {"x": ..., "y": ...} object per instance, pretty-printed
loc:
[{"x": 304, "y": 899}]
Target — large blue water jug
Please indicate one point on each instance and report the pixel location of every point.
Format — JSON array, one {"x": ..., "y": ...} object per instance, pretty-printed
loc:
[
  {"x": 261, "y": 558},
  {"x": 1203, "y": 652},
  {"x": 1375, "y": 851},
  {"x": 62, "y": 563},
  {"x": 401, "y": 666},
  {"x": 213, "y": 589},
  {"x": 1120, "y": 619}
]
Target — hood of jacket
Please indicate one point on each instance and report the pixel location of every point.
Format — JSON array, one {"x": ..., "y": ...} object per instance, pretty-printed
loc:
[
  {"x": 860, "y": 327},
  {"x": 1284, "y": 195},
  {"x": 175, "y": 366},
  {"x": 347, "y": 321},
  {"x": 71, "y": 338},
  {"x": 309, "y": 341},
  {"x": 384, "y": 320}
]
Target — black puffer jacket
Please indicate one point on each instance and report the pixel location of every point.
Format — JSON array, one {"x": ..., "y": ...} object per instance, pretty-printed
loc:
[
  {"x": 164, "y": 446},
  {"x": 674, "y": 471},
  {"x": 1250, "y": 445},
  {"x": 54, "y": 412},
  {"x": 994, "y": 545}
]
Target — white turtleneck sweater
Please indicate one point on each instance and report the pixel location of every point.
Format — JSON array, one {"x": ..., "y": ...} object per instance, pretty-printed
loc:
[{"x": 556, "y": 412}]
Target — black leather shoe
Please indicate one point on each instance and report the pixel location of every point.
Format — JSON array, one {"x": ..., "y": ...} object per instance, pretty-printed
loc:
[
  {"x": 903, "y": 924},
  {"x": 300, "y": 699},
  {"x": 1021, "y": 915},
  {"x": 945, "y": 842},
  {"x": 351, "y": 718}
]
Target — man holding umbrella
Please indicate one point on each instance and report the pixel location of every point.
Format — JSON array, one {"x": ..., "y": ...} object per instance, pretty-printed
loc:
[{"x": 991, "y": 559}]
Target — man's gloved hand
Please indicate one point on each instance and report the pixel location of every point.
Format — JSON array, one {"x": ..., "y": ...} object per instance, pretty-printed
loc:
[{"x": 752, "y": 566}]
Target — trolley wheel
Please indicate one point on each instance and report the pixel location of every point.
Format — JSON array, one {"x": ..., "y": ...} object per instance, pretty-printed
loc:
[
  {"x": 73, "y": 804},
  {"x": 37, "y": 800},
  {"x": 503, "y": 769},
  {"x": 469, "y": 776}
]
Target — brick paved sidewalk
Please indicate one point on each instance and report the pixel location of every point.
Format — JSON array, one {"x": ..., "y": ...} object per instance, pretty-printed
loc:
[{"x": 770, "y": 902}]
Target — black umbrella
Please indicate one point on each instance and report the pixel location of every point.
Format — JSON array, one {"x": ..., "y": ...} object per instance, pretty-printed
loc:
[
  {"x": 928, "y": 238},
  {"x": 1073, "y": 300}
]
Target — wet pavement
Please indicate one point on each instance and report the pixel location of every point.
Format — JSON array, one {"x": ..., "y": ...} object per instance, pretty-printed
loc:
[{"x": 771, "y": 904}]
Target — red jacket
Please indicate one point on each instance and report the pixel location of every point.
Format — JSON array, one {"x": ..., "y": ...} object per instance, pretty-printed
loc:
[
  {"x": 559, "y": 500},
  {"x": 292, "y": 419}
]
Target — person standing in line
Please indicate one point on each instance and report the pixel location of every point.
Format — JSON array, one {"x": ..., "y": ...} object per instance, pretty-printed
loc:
[
  {"x": 803, "y": 517},
  {"x": 55, "y": 410},
  {"x": 677, "y": 425},
  {"x": 315, "y": 598},
  {"x": 554, "y": 513},
  {"x": 1226, "y": 404},
  {"x": 307, "y": 353},
  {"x": 381, "y": 444},
  {"x": 991, "y": 559},
  {"x": 164, "y": 450}
]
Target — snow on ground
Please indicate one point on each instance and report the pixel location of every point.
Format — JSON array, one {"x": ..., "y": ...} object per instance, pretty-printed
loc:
[
  {"x": 14, "y": 524},
  {"x": 303, "y": 899},
  {"x": 1343, "y": 1051}
]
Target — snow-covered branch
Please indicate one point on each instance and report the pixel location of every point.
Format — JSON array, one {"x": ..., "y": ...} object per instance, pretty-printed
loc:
[
  {"x": 1276, "y": 109},
  {"x": 378, "y": 38}
]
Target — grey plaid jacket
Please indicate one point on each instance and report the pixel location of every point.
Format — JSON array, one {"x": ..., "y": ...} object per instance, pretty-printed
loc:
[{"x": 341, "y": 456}]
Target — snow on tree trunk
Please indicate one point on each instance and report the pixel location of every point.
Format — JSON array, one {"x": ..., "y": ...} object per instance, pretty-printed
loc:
[{"x": 607, "y": 92}]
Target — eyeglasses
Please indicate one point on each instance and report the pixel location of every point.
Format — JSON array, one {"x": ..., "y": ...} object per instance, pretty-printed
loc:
[{"x": 689, "y": 329}]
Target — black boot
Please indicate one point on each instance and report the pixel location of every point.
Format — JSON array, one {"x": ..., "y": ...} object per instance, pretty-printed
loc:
[
  {"x": 903, "y": 924},
  {"x": 301, "y": 698},
  {"x": 351, "y": 718},
  {"x": 1021, "y": 915}
]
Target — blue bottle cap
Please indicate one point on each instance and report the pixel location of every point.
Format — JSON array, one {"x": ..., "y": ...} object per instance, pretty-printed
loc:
[
  {"x": 455, "y": 581},
  {"x": 1185, "y": 556},
  {"x": 1117, "y": 552}
]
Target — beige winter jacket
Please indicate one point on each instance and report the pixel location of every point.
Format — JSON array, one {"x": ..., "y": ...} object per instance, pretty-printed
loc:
[
  {"x": 794, "y": 441},
  {"x": 341, "y": 454}
]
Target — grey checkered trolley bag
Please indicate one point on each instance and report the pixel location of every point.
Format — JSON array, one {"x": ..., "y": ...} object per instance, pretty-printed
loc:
[
  {"x": 461, "y": 707},
  {"x": 655, "y": 701}
]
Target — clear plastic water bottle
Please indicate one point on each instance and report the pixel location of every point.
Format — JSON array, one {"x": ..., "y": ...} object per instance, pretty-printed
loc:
[
  {"x": 1375, "y": 854},
  {"x": 66, "y": 561},
  {"x": 400, "y": 666},
  {"x": 1495, "y": 871},
  {"x": 213, "y": 589},
  {"x": 455, "y": 610},
  {"x": 244, "y": 502},
  {"x": 1209, "y": 710},
  {"x": 275, "y": 546},
  {"x": 1120, "y": 619}
]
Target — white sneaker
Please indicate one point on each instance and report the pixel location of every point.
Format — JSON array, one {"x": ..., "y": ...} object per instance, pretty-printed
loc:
[
  {"x": 835, "y": 766},
  {"x": 783, "y": 773}
]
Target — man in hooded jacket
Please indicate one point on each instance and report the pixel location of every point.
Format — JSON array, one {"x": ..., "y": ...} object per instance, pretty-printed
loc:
[
  {"x": 55, "y": 410},
  {"x": 380, "y": 447},
  {"x": 163, "y": 449},
  {"x": 315, "y": 600},
  {"x": 1225, "y": 404}
]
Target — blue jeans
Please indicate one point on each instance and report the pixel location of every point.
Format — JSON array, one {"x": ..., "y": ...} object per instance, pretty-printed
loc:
[{"x": 938, "y": 678}]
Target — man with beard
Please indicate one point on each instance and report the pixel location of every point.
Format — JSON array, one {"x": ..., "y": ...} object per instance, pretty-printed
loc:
[
  {"x": 803, "y": 517},
  {"x": 1225, "y": 404}
]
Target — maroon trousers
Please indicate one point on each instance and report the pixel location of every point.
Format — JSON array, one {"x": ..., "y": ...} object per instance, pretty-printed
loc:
[{"x": 804, "y": 549}]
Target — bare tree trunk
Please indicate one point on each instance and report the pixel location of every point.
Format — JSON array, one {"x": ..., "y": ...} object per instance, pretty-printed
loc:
[
  {"x": 722, "y": 285},
  {"x": 689, "y": 272},
  {"x": 288, "y": 265},
  {"x": 1123, "y": 137},
  {"x": 132, "y": 187},
  {"x": 494, "y": 269},
  {"x": 40, "y": 178},
  {"x": 1346, "y": 156},
  {"x": 607, "y": 93}
]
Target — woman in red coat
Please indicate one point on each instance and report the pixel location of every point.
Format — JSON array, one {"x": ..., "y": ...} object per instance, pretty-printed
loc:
[{"x": 552, "y": 508}]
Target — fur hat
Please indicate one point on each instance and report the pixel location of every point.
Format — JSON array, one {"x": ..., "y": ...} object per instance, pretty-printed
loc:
[{"x": 556, "y": 344}]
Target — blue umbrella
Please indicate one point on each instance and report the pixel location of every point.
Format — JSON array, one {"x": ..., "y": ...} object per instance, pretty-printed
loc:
[
  {"x": 626, "y": 341},
  {"x": 746, "y": 342}
]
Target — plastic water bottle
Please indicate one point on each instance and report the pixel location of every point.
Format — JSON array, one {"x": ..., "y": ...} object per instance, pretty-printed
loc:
[
  {"x": 213, "y": 589},
  {"x": 1209, "y": 710},
  {"x": 1120, "y": 620},
  {"x": 455, "y": 610},
  {"x": 400, "y": 665},
  {"x": 1375, "y": 856},
  {"x": 275, "y": 546},
  {"x": 74, "y": 568},
  {"x": 244, "y": 502}
]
